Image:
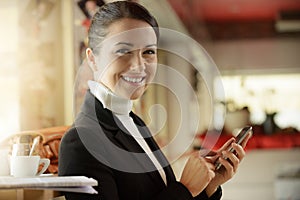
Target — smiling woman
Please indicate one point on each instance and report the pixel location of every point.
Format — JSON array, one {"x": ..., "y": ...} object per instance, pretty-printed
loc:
[
  {"x": 112, "y": 144},
  {"x": 127, "y": 59}
]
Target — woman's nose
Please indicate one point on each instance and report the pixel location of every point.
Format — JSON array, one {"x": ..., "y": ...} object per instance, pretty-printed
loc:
[{"x": 138, "y": 62}]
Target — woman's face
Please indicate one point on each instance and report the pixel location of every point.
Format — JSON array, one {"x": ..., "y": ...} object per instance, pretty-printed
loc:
[{"x": 127, "y": 58}]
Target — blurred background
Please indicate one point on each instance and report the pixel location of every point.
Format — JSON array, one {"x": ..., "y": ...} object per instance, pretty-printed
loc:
[{"x": 254, "y": 43}]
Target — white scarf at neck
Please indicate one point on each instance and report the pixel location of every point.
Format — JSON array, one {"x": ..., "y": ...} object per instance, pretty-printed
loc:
[{"x": 110, "y": 100}]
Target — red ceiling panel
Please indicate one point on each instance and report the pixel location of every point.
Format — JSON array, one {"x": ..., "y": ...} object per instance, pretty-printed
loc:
[{"x": 232, "y": 10}]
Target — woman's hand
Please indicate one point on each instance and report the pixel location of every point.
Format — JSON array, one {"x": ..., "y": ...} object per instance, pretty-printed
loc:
[
  {"x": 229, "y": 165},
  {"x": 197, "y": 174}
]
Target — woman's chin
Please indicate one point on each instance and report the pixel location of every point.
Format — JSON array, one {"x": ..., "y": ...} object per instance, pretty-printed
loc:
[
  {"x": 130, "y": 92},
  {"x": 134, "y": 95}
]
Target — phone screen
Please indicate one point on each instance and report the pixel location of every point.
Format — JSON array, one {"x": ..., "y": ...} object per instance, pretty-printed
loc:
[{"x": 242, "y": 134}]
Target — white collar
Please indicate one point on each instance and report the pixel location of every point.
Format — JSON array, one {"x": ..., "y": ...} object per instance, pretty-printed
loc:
[{"x": 110, "y": 100}]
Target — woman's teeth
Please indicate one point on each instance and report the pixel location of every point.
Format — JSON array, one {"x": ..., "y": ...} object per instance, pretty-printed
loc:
[{"x": 133, "y": 80}]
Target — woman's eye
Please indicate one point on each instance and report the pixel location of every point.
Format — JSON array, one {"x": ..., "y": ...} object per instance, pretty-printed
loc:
[
  {"x": 122, "y": 51},
  {"x": 150, "y": 51}
]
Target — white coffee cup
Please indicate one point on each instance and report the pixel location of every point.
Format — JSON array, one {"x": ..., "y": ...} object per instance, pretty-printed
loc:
[{"x": 27, "y": 166}]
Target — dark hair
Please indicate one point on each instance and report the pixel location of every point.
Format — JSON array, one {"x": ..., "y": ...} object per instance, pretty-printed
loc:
[{"x": 111, "y": 12}]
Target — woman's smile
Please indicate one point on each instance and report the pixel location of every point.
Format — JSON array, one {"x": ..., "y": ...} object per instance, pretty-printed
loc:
[
  {"x": 134, "y": 80},
  {"x": 128, "y": 58}
]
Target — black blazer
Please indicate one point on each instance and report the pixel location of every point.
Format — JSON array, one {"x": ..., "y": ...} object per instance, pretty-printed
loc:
[{"x": 98, "y": 146}]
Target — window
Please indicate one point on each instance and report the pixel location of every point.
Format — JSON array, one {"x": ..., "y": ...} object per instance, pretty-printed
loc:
[{"x": 265, "y": 94}]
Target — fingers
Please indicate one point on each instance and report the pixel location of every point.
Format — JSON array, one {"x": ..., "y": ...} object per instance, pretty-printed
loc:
[
  {"x": 231, "y": 160},
  {"x": 200, "y": 162},
  {"x": 206, "y": 152},
  {"x": 210, "y": 166},
  {"x": 211, "y": 160},
  {"x": 227, "y": 144},
  {"x": 197, "y": 174},
  {"x": 240, "y": 153},
  {"x": 208, "y": 155},
  {"x": 205, "y": 163}
]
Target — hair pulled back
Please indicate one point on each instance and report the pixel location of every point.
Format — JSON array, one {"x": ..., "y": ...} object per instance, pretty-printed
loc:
[{"x": 111, "y": 12}]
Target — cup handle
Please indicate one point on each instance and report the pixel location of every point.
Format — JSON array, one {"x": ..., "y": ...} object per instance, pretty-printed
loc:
[{"x": 46, "y": 163}]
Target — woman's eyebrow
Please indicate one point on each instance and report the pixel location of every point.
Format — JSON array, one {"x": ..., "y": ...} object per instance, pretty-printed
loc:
[
  {"x": 151, "y": 45},
  {"x": 131, "y": 45},
  {"x": 124, "y": 43}
]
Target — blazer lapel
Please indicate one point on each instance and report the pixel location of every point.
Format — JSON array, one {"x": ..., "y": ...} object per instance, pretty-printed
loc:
[
  {"x": 123, "y": 138},
  {"x": 155, "y": 148},
  {"x": 143, "y": 159}
]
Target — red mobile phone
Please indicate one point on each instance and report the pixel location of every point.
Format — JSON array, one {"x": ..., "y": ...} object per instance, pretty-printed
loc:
[{"x": 239, "y": 140}]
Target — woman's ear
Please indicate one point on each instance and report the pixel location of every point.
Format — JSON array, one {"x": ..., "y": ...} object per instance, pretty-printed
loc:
[{"x": 91, "y": 59}]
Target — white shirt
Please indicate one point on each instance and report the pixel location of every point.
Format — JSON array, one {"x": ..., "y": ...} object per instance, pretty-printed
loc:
[{"x": 121, "y": 108}]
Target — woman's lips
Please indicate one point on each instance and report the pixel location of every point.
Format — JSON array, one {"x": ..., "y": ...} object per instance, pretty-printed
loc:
[{"x": 134, "y": 80}]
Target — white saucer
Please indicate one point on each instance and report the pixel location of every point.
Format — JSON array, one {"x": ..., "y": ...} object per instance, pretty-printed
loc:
[
  {"x": 42, "y": 175},
  {"x": 45, "y": 175}
]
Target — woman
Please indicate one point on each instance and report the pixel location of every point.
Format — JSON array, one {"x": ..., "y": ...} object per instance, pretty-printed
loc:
[{"x": 109, "y": 142}]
